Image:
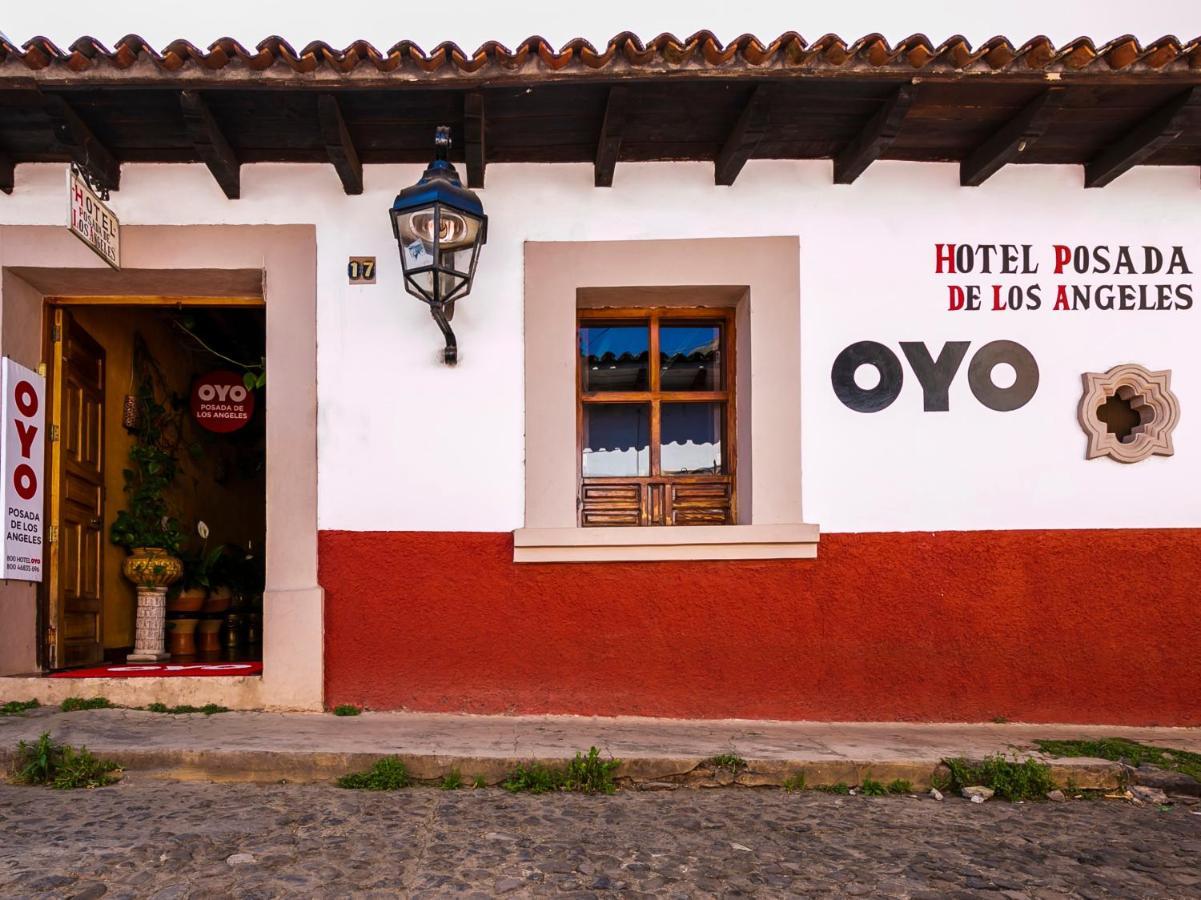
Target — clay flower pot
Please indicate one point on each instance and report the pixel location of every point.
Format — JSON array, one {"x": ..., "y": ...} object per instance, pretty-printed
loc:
[
  {"x": 208, "y": 635},
  {"x": 151, "y": 567},
  {"x": 219, "y": 600},
  {"x": 191, "y": 600},
  {"x": 181, "y": 635}
]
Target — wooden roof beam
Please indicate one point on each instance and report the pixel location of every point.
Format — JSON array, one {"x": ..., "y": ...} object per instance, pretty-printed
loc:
[
  {"x": 84, "y": 147},
  {"x": 1140, "y": 142},
  {"x": 748, "y": 131},
  {"x": 608, "y": 146},
  {"x": 875, "y": 138},
  {"x": 473, "y": 129},
  {"x": 1012, "y": 139},
  {"x": 210, "y": 143},
  {"x": 7, "y": 174},
  {"x": 338, "y": 145}
]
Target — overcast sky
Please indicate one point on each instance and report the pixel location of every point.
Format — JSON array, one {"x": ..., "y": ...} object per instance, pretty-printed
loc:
[{"x": 383, "y": 22}]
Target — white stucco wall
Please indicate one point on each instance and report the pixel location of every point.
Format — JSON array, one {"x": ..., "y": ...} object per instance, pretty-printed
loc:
[{"x": 408, "y": 444}]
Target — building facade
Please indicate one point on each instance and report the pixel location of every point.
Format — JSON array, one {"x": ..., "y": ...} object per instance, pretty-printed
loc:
[{"x": 918, "y": 446}]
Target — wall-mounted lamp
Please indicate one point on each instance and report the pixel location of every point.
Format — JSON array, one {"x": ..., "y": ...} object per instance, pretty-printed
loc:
[{"x": 439, "y": 226}]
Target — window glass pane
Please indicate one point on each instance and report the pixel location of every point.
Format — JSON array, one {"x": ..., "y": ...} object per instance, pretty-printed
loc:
[
  {"x": 616, "y": 439},
  {"x": 691, "y": 438},
  {"x": 690, "y": 357},
  {"x": 614, "y": 357}
]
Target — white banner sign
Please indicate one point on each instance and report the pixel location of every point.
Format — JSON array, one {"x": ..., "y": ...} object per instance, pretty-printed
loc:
[
  {"x": 22, "y": 456},
  {"x": 93, "y": 222}
]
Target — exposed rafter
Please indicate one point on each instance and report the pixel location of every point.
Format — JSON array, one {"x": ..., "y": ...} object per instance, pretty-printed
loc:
[
  {"x": 338, "y": 145},
  {"x": 875, "y": 138},
  {"x": 84, "y": 147},
  {"x": 1012, "y": 139},
  {"x": 1160, "y": 128},
  {"x": 608, "y": 147},
  {"x": 7, "y": 174},
  {"x": 473, "y": 129},
  {"x": 211, "y": 145},
  {"x": 744, "y": 138}
]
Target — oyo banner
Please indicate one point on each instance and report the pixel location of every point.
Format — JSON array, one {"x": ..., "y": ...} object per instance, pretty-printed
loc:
[
  {"x": 22, "y": 457},
  {"x": 221, "y": 402}
]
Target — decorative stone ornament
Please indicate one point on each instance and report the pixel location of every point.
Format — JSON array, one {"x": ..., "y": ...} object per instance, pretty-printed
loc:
[{"x": 1146, "y": 402}]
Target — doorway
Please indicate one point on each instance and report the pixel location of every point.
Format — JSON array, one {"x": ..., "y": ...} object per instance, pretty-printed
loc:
[{"x": 157, "y": 437}]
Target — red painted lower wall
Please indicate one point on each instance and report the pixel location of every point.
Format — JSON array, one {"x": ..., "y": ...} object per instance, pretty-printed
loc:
[{"x": 1065, "y": 626}]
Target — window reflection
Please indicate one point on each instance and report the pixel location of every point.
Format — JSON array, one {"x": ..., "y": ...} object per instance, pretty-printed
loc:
[
  {"x": 616, "y": 440},
  {"x": 614, "y": 357},
  {"x": 690, "y": 357},
  {"x": 691, "y": 438}
]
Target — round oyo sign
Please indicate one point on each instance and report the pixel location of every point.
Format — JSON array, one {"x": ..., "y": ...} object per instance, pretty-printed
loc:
[{"x": 221, "y": 402}]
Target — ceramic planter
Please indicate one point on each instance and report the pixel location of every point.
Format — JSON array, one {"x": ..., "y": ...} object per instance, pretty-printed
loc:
[
  {"x": 219, "y": 600},
  {"x": 208, "y": 635},
  {"x": 151, "y": 567},
  {"x": 191, "y": 600},
  {"x": 182, "y": 636}
]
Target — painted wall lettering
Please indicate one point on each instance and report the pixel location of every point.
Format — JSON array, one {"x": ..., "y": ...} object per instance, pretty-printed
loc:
[{"x": 934, "y": 375}]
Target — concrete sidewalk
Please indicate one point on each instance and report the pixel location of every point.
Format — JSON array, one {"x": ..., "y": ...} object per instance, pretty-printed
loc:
[{"x": 311, "y": 747}]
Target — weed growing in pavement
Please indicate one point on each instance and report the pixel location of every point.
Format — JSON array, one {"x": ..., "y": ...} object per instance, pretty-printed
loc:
[
  {"x": 590, "y": 774},
  {"x": 840, "y": 788},
  {"x": 347, "y": 709},
  {"x": 452, "y": 781},
  {"x": 899, "y": 786},
  {"x": 387, "y": 774},
  {"x": 74, "y": 704},
  {"x": 208, "y": 709},
  {"x": 60, "y": 766},
  {"x": 16, "y": 707},
  {"x": 479, "y": 782},
  {"x": 1134, "y": 753},
  {"x": 872, "y": 788},
  {"x": 533, "y": 779},
  {"x": 1008, "y": 778},
  {"x": 731, "y": 761},
  {"x": 794, "y": 783}
]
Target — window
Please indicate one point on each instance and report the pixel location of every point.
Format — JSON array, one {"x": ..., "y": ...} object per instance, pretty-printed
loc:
[{"x": 656, "y": 439}]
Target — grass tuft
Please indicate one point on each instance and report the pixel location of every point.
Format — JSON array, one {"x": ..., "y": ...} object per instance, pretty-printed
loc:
[
  {"x": 840, "y": 788},
  {"x": 1009, "y": 779},
  {"x": 590, "y": 774},
  {"x": 74, "y": 704},
  {"x": 899, "y": 786},
  {"x": 16, "y": 707},
  {"x": 731, "y": 761},
  {"x": 347, "y": 709},
  {"x": 794, "y": 783},
  {"x": 208, "y": 709},
  {"x": 533, "y": 779},
  {"x": 872, "y": 788},
  {"x": 1134, "y": 753},
  {"x": 479, "y": 782},
  {"x": 452, "y": 781},
  {"x": 387, "y": 774},
  {"x": 60, "y": 766}
]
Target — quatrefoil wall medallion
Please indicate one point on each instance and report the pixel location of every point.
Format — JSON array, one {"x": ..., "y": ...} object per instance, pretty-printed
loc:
[{"x": 1128, "y": 413}]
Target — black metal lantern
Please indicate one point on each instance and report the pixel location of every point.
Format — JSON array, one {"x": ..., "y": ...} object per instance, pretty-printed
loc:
[{"x": 439, "y": 226}]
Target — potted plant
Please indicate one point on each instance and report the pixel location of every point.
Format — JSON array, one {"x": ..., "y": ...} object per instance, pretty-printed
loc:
[
  {"x": 145, "y": 528},
  {"x": 199, "y": 568}
]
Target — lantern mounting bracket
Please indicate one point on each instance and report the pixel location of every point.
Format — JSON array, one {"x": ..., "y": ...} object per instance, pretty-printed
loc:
[{"x": 450, "y": 355}]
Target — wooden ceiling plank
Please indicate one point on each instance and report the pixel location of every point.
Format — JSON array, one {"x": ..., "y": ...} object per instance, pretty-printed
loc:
[
  {"x": 84, "y": 147},
  {"x": 1139, "y": 143},
  {"x": 211, "y": 144},
  {"x": 748, "y": 131},
  {"x": 338, "y": 146},
  {"x": 608, "y": 146},
  {"x": 8, "y": 171},
  {"x": 473, "y": 129},
  {"x": 1012, "y": 139},
  {"x": 875, "y": 138}
]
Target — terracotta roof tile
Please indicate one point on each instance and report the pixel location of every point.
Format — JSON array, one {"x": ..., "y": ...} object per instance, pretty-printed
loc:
[{"x": 625, "y": 52}]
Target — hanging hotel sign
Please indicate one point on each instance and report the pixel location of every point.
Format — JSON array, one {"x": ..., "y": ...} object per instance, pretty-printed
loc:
[
  {"x": 22, "y": 459},
  {"x": 92, "y": 221},
  {"x": 221, "y": 402}
]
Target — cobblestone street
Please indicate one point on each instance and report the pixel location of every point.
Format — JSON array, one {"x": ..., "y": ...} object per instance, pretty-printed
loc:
[{"x": 164, "y": 840}]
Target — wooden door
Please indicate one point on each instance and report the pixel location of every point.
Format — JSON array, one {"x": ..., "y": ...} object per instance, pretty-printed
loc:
[{"x": 76, "y": 545}]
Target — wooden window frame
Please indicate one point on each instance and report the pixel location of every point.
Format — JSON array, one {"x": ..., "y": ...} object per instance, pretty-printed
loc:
[{"x": 656, "y": 492}]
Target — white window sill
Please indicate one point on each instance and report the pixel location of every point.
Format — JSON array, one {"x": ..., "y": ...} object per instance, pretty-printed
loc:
[{"x": 696, "y": 542}]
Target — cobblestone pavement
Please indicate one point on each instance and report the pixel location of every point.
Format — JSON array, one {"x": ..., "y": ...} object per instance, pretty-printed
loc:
[{"x": 163, "y": 840}]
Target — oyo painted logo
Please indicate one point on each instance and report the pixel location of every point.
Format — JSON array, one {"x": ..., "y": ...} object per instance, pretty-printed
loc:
[{"x": 935, "y": 375}]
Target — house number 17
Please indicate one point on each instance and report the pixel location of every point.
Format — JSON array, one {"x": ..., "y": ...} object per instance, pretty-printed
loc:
[{"x": 361, "y": 270}]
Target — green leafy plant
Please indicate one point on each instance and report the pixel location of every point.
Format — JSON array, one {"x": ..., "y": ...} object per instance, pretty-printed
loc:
[
  {"x": 840, "y": 788},
  {"x": 347, "y": 709},
  {"x": 872, "y": 788},
  {"x": 208, "y": 709},
  {"x": 794, "y": 783},
  {"x": 533, "y": 779},
  {"x": 16, "y": 707},
  {"x": 61, "y": 766},
  {"x": 590, "y": 774},
  {"x": 899, "y": 786},
  {"x": 731, "y": 761},
  {"x": 479, "y": 782},
  {"x": 74, "y": 704},
  {"x": 452, "y": 781},
  {"x": 1010, "y": 779},
  {"x": 202, "y": 568},
  {"x": 147, "y": 521},
  {"x": 1132, "y": 752},
  {"x": 387, "y": 774}
]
